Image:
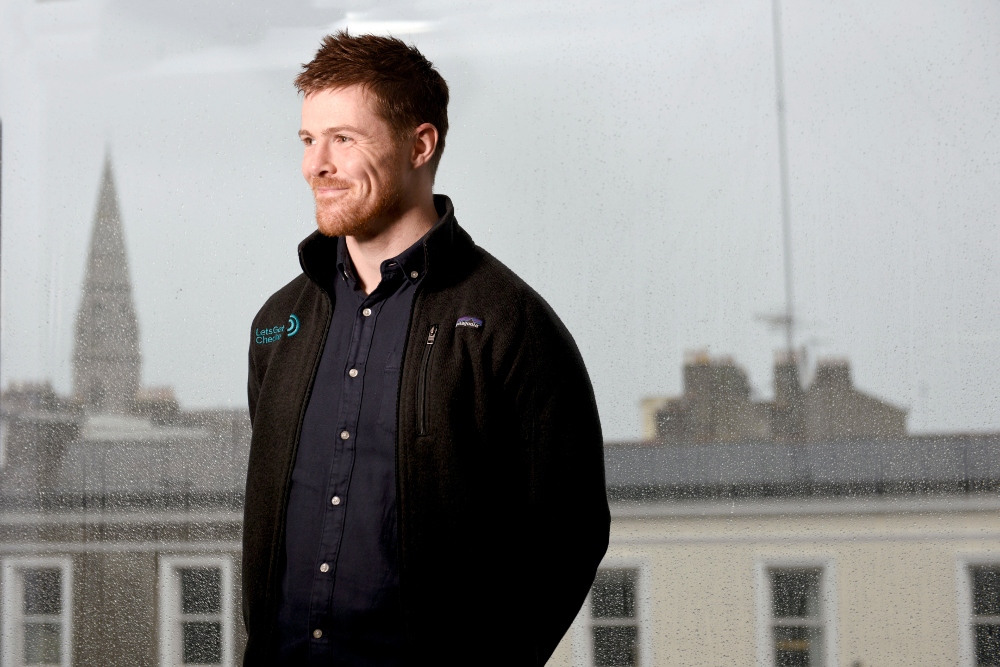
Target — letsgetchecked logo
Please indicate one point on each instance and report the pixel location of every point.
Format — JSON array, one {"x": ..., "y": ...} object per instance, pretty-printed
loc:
[{"x": 274, "y": 334}]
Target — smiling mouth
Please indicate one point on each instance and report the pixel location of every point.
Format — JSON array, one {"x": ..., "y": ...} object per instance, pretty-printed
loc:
[{"x": 329, "y": 192}]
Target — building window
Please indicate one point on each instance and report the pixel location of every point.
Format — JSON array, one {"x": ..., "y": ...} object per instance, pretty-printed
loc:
[
  {"x": 796, "y": 616},
  {"x": 986, "y": 614},
  {"x": 614, "y": 623},
  {"x": 196, "y": 611},
  {"x": 37, "y": 605}
]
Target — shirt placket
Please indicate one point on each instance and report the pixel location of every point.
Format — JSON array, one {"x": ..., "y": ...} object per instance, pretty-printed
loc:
[{"x": 338, "y": 489}]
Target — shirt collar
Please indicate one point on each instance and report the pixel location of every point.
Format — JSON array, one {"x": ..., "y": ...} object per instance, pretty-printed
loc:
[{"x": 411, "y": 261}]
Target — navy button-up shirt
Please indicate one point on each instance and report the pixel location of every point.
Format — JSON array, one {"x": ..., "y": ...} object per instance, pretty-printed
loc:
[{"x": 340, "y": 589}]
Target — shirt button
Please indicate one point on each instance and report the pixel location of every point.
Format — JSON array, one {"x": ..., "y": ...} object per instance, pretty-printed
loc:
[
  {"x": 344, "y": 435},
  {"x": 353, "y": 372},
  {"x": 317, "y": 633},
  {"x": 325, "y": 567},
  {"x": 366, "y": 312},
  {"x": 335, "y": 500},
  {"x": 414, "y": 274}
]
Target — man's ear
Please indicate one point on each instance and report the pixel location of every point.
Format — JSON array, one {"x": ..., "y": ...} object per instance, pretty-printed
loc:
[{"x": 424, "y": 145}]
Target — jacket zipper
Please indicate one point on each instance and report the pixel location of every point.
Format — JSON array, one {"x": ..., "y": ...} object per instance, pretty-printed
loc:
[{"x": 425, "y": 365}]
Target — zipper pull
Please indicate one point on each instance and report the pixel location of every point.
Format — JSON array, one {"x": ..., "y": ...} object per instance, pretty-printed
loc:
[{"x": 432, "y": 335}]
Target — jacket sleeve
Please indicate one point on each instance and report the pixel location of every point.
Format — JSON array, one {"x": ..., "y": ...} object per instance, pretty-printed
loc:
[{"x": 569, "y": 517}]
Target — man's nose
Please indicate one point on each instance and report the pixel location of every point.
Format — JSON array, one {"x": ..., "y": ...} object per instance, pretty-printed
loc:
[{"x": 318, "y": 163}]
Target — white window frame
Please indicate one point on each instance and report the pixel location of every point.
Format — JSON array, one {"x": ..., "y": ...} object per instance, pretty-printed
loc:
[
  {"x": 171, "y": 638},
  {"x": 13, "y": 606},
  {"x": 583, "y": 655},
  {"x": 963, "y": 578},
  {"x": 827, "y": 599}
]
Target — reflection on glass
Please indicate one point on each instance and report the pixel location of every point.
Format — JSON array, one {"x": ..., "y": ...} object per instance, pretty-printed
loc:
[
  {"x": 796, "y": 617},
  {"x": 986, "y": 608},
  {"x": 614, "y": 629}
]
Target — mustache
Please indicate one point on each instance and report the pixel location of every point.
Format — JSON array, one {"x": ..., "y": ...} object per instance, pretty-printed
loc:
[{"x": 327, "y": 182}]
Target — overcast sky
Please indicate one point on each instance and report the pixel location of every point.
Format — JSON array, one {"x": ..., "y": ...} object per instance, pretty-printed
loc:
[{"x": 623, "y": 160}]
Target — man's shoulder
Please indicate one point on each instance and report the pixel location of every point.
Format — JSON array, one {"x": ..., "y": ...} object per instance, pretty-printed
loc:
[
  {"x": 283, "y": 301},
  {"x": 500, "y": 290},
  {"x": 490, "y": 278}
]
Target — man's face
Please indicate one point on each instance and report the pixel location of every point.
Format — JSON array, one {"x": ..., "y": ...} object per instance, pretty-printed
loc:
[{"x": 353, "y": 163}]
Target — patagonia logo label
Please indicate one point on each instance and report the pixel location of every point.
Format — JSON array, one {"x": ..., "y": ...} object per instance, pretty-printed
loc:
[
  {"x": 274, "y": 334},
  {"x": 467, "y": 321}
]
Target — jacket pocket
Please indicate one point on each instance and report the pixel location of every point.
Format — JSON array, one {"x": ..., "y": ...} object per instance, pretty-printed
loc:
[{"x": 422, "y": 381}]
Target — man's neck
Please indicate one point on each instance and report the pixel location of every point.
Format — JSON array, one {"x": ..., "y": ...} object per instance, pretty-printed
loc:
[{"x": 368, "y": 253}]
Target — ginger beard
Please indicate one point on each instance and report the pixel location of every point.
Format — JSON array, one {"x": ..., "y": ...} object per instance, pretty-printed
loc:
[{"x": 352, "y": 214}]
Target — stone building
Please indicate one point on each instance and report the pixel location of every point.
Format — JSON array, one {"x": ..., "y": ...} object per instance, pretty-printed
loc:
[
  {"x": 120, "y": 514},
  {"x": 717, "y": 406}
]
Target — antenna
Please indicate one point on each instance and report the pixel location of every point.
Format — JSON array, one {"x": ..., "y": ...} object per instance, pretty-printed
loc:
[{"x": 788, "y": 321}]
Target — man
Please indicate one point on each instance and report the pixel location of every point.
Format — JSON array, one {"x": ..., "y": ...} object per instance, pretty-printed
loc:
[{"x": 426, "y": 477}]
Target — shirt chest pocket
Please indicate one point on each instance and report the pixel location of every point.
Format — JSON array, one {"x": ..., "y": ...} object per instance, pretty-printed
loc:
[{"x": 388, "y": 394}]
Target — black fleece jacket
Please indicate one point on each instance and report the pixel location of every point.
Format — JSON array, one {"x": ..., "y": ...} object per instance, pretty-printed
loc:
[{"x": 503, "y": 517}]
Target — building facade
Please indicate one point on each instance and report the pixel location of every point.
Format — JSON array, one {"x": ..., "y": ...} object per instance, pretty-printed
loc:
[{"x": 863, "y": 554}]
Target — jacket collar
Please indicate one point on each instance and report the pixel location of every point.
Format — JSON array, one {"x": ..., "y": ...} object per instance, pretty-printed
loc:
[{"x": 445, "y": 243}]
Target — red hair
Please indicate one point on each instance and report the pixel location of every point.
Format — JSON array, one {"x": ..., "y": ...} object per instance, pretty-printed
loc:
[{"x": 406, "y": 89}]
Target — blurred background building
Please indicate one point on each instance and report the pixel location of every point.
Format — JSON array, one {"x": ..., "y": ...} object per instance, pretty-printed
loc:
[
  {"x": 120, "y": 513},
  {"x": 718, "y": 406},
  {"x": 799, "y": 531}
]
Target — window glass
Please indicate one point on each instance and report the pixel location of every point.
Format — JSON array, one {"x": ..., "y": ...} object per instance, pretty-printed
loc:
[
  {"x": 614, "y": 626},
  {"x": 42, "y": 610},
  {"x": 201, "y": 595},
  {"x": 769, "y": 226},
  {"x": 986, "y": 614},
  {"x": 795, "y": 593},
  {"x": 201, "y": 590},
  {"x": 798, "y": 633},
  {"x": 42, "y": 592},
  {"x": 36, "y": 624}
]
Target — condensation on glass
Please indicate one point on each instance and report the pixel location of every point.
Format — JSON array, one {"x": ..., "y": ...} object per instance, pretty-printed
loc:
[{"x": 782, "y": 465}]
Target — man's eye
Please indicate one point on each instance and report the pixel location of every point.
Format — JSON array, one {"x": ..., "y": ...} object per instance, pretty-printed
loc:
[
  {"x": 307, "y": 141},
  {"x": 342, "y": 139}
]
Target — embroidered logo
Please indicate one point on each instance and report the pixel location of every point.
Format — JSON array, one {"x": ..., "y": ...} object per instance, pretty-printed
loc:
[
  {"x": 274, "y": 334},
  {"x": 467, "y": 321}
]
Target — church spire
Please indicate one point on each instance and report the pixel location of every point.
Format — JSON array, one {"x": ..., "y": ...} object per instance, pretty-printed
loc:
[{"x": 106, "y": 353}]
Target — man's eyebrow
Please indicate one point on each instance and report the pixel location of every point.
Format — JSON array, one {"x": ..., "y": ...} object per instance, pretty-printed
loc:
[{"x": 333, "y": 130}]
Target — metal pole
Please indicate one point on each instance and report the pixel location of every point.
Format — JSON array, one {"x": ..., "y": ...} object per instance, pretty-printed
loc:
[{"x": 786, "y": 218}]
